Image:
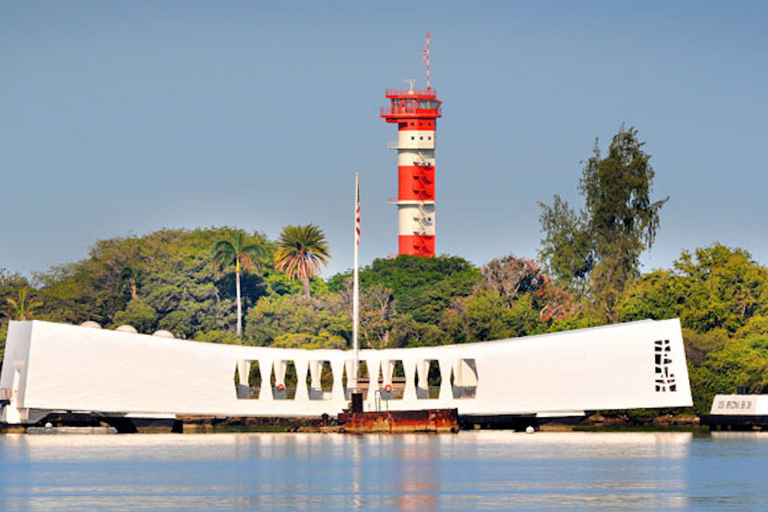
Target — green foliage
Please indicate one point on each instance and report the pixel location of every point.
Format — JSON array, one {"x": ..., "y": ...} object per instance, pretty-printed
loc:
[
  {"x": 740, "y": 362},
  {"x": 323, "y": 339},
  {"x": 178, "y": 283},
  {"x": 716, "y": 288},
  {"x": 619, "y": 221},
  {"x": 22, "y": 306},
  {"x": 487, "y": 315},
  {"x": 726, "y": 288},
  {"x": 225, "y": 337},
  {"x": 11, "y": 284},
  {"x": 658, "y": 296},
  {"x": 423, "y": 287},
  {"x": 3, "y": 336},
  {"x": 273, "y": 317},
  {"x": 567, "y": 246},
  {"x": 755, "y": 326},
  {"x": 139, "y": 314},
  {"x": 131, "y": 279},
  {"x": 301, "y": 250}
]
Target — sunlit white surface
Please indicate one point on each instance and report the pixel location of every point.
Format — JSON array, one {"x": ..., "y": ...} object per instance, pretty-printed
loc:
[{"x": 56, "y": 367}]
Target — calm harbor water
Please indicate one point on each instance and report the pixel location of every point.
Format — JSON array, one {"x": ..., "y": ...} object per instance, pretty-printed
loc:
[{"x": 470, "y": 470}]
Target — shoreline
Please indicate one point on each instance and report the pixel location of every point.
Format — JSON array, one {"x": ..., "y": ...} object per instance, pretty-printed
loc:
[{"x": 220, "y": 424}]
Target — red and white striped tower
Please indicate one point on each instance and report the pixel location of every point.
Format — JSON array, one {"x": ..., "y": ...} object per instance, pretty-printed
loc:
[{"x": 415, "y": 112}]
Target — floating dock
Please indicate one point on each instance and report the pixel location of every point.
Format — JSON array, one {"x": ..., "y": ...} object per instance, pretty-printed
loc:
[{"x": 435, "y": 421}]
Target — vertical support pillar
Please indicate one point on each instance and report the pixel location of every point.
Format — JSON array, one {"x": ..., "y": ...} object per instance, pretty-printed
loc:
[
  {"x": 265, "y": 368},
  {"x": 301, "y": 380}
]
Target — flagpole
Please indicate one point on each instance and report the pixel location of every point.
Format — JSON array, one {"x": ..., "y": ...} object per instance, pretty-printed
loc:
[{"x": 356, "y": 288}]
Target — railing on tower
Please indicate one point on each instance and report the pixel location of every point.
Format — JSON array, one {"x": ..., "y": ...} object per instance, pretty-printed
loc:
[
  {"x": 431, "y": 93},
  {"x": 411, "y": 110}
]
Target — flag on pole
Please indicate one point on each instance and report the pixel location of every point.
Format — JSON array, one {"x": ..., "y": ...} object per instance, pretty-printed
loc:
[{"x": 357, "y": 212}]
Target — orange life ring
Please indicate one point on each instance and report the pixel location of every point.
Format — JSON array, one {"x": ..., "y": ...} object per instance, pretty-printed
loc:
[
  {"x": 388, "y": 388},
  {"x": 281, "y": 387}
]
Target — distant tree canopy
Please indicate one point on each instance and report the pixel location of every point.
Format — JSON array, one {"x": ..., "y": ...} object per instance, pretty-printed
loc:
[
  {"x": 180, "y": 290},
  {"x": 598, "y": 249},
  {"x": 423, "y": 287},
  {"x": 716, "y": 287}
]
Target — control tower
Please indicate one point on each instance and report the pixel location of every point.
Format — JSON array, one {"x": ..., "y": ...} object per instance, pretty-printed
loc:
[{"x": 415, "y": 111}]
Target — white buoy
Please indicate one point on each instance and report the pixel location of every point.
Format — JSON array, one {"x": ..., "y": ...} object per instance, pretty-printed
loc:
[
  {"x": 530, "y": 430},
  {"x": 49, "y": 425}
]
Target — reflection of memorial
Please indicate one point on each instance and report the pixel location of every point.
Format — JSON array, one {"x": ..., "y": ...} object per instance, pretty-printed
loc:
[
  {"x": 469, "y": 471},
  {"x": 419, "y": 474},
  {"x": 58, "y": 367}
]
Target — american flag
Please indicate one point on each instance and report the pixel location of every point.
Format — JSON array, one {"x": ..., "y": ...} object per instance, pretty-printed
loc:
[{"x": 357, "y": 212}]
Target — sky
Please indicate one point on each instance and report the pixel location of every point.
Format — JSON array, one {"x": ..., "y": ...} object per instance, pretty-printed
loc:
[{"x": 119, "y": 118}]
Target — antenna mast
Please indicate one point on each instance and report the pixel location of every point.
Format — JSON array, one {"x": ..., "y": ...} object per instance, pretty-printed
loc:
[{"x": 425, "y": 57}]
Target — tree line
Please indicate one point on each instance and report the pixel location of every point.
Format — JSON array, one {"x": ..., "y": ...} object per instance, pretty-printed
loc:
[{"x": 228, "y": 285}]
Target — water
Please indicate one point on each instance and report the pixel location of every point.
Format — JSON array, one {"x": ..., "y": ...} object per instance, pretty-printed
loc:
[{"x": 471, "y": 470}]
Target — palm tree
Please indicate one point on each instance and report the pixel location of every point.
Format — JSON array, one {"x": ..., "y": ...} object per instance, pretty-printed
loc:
[
  {"x": 300, "y": 251},
  {"x": 133, "y": 279},
  {"x": 226, "y": 253},
  {"x": 24, "y": 307}
]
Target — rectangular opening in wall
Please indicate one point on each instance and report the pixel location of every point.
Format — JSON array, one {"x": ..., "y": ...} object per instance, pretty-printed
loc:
[
  {"x": 392, "y": 377},
  {"x": 320, "y": 380},
  {"x": 284, "y": 380},
  {"x": 464, "y": 379},
  {"x": 247, "y": 380},
  {"x": 428, "y": 379}
]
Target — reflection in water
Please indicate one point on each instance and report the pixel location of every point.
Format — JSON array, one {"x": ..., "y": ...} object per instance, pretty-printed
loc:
[
  {"x": 418, "y": 474},
  {"x": 471, "y": 470}
]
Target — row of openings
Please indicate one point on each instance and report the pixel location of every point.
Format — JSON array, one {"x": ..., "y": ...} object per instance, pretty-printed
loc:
[
  {"x": 413, "y": 137},
  {"x": 463, "y": 381}
]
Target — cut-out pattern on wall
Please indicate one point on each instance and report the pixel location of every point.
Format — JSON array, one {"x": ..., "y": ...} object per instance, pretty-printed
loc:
[{"x": 665, "y": 379}]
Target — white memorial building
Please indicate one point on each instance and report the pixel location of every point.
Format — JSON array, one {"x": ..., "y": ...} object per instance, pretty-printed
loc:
[{"x": 55, "y": 368}]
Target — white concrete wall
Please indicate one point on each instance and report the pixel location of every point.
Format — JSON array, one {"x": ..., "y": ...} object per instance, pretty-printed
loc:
[
  {"x": 79, "y": 369},
  {"x": 414, "y": 157},
  {"x": 409, "y": 218},
  {"x": 421, "y": 139}
]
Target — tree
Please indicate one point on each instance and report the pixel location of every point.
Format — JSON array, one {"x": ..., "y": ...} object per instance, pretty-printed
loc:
[
  {"x": 619, "y": 221},
  {"x": 139, "y": 314},
  {"x": 23, "y": 307},
  {"x": 278, "y": 319},
  {"x": 725, "y": 288},
  {"x": 423, "y": 287},
  {"x": 511, "y": 276},
  {"x": 131, "y": 279},
  {"x": 243, "y": 257},
  {"x": 300, "y": 252}
]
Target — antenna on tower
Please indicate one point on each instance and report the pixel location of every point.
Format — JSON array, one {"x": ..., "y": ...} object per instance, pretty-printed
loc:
[
  {"x": 425, "y": 57},
  {"x": 410, "y": 82}
]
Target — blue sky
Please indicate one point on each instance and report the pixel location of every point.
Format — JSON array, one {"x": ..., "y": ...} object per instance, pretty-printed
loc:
[{"x": 122, "y": 118}]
